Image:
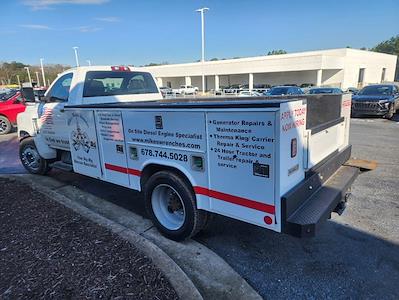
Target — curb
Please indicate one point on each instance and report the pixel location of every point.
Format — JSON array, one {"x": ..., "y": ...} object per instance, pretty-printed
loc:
[
  {"x": 203, "y": 272},
  {"x": 183, "y": 286}
]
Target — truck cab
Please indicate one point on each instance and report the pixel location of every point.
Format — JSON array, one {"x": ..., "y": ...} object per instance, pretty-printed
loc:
[{"x": 83, "y": 85}]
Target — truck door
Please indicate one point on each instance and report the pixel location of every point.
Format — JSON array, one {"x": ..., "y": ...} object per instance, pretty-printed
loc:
[{"x": 53, "y": 121}]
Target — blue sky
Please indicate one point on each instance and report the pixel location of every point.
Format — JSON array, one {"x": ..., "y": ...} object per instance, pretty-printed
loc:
[{"x": 140, "y": 32}]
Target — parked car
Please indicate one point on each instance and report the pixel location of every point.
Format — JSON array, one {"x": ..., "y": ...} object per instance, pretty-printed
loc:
[
  {"x": 186, "y": 90},
  {"x": 284, "y": 90},
  {"x": 249, "y": 94},
  {"x": 11, "y": 104},
  {"x": 166, "y": 91},
  {"x": 352, "y": 90},
  {"x": 233, "y": 89},
  {"x": 39, "y": 93},
  {"x": 325, "y": 90},
  {"x": 306, "y": 87},
  {"x": 377, "y": 100},
  {"x": 261, "y": 88}
]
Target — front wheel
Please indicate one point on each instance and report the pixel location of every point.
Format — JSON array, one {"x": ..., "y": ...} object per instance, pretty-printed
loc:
[
  {"x": 31, "y": 159},
  {"x": 5, "y": 125},
  {"x": 391, "y": 112},
  {"x": 171, "y": 204}
]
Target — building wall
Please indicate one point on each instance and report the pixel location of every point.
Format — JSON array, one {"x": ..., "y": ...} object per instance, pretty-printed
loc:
[
  {"x": 372, "y": 62},
  {"x": 340, "y": 68}
]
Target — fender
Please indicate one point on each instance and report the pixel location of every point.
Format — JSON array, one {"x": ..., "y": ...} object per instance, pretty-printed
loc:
[
  {"x": 173, "y": 165},
  {"x": 44, "y": 150}
]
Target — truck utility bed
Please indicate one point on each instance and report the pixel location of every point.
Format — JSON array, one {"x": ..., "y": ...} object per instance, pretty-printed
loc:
[
  {"x": 211, "y": 102},
  {"x": 300, "y": 159}
]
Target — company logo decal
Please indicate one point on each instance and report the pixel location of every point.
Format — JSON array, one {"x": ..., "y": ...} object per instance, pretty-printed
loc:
[{"x": 80, "y": 139}]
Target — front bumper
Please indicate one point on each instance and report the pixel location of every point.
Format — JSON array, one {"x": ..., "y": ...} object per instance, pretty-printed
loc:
[
  {"x": 306, "y": 207},
  {"x": 369, "y": 108}
]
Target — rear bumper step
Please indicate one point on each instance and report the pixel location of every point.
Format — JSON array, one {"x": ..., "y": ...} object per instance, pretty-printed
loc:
[
  {"x": 306, "y": 220},
  {"x": 309, "y": 205}
]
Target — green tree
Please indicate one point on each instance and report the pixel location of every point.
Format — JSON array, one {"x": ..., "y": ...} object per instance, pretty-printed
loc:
[
  {"x": 276, "y": 52},
  {"x": 10, "y": 70},
  {"x": 390, "y": 46}
]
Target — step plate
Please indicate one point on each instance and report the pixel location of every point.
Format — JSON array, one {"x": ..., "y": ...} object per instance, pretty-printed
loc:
[{"x": 306, "y": 220}]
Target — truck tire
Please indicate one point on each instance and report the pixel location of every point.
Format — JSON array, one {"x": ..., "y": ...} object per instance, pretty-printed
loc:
[
  {"x": 171, "y": 204},
  {"x": 31, "y": 159},
  {"x": 391, "y": 112},
  {"x": 5, "y": 125}
]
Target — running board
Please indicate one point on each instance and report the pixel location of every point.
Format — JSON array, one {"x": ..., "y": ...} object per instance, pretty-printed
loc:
[{"x": 62, "y": 166}]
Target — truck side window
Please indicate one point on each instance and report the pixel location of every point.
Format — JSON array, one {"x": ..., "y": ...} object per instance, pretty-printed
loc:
[{"x": 60, "y": 90}]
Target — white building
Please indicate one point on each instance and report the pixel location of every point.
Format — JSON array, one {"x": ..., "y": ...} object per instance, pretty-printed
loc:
[{"x": 337, "y": 67}]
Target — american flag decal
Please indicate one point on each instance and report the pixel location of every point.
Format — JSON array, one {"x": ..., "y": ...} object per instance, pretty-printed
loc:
[{"x": 47, "y": 116}]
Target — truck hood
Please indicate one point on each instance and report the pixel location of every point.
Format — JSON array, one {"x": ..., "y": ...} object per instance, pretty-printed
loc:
[{"x": 371, "y": 98}]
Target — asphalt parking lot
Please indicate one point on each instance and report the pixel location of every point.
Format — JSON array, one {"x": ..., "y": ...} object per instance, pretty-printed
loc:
[{"x": 355, "y": 256}]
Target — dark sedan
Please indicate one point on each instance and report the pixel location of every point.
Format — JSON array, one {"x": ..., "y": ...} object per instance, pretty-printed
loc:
[
  {"x": 325, "y": 90},
  {"x": 377, "y": 100},
  {"x": 284, "y": 90}
]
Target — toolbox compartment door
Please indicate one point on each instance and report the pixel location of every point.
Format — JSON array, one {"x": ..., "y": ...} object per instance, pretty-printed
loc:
[
  {"x": 325, "y": 125},
  {"x": 112, "y": 146},
  {"x": 241, "y": 165},
  {"x": 83, "y": 142}
]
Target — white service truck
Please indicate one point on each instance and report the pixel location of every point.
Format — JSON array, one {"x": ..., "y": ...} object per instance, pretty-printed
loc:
[{"x": 277, "y": 163}]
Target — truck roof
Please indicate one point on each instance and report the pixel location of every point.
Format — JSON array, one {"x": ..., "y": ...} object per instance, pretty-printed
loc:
[
  {"x": 102, "y": 68},
  {"x": 211, "y": 102}
]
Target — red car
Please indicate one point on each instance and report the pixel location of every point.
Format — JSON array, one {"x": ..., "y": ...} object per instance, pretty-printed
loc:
[{"x": 11, "y": 104}]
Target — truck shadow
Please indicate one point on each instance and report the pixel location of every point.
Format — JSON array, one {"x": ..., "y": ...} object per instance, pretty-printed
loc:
[{"x": 340, "y": 262}]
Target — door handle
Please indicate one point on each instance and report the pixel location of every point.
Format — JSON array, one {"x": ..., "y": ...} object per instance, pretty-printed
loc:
[{"x": 62, "y": 110}]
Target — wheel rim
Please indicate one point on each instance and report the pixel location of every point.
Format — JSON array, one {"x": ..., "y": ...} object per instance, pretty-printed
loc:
[
  {"x": 31, "y": 158},
  {"x": 3, "y": 125},
  {"x": 168, "y": 207}
]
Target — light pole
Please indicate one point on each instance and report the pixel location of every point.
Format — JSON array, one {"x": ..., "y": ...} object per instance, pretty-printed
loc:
[
  {"x": 19, "y": 81},
  {"x": 76, "y": 55},
  {"x": 88, "y": 62},
  {"x": 37, "y": 78},
  {"x": 202, "y": 10},
  {"x": 41, "y": 66},
  {"x": 30, "y": 78}
]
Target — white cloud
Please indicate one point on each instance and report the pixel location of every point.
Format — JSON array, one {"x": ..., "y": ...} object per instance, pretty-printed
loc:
[
  {"x": 87, "y": 28},
  {"x": 35, "y": 26},
  {"x": 108, "y": 19},
  {"x": 48, "y": 4}
]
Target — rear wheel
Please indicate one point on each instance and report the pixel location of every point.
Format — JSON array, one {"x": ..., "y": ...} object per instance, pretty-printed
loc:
[
  {"x": 31, "y": 159},
  {"x": 171, "y": 204},
  {"x": 5, "y": 125}
]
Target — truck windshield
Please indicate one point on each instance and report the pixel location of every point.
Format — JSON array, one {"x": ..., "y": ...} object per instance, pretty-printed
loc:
[
  {"x": 376, "y": 90},
  {"x": 111, "y": 83}
]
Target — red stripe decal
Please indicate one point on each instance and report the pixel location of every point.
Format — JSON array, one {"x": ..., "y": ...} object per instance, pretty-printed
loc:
[
  {"x": 123, "y": 170},
  {"x": 235, "y": 200},
  {"x": 134, "y": 172},
  {"x": 270, "y": 209}
]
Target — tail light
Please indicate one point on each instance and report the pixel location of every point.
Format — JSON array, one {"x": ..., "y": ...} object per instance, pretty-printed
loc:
[{"x": 120, "y": 68}]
